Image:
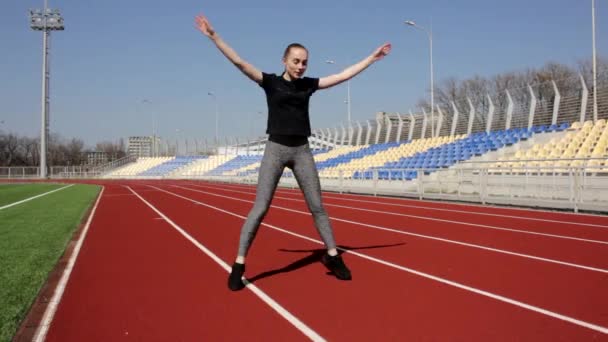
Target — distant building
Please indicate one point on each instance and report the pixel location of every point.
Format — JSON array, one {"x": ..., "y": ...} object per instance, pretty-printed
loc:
[
  {"x": 97, "y": 158},
  {"x": 140, "y": 146},
  {"x": 144, "y": 146}
]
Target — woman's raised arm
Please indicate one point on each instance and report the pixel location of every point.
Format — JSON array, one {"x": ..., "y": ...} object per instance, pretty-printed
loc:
[
  {"x": 355, "y": 69},
  {"x": 203, "y": 25}
]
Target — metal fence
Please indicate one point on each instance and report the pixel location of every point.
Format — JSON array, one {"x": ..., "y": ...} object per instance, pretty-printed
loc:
[
  {"x": 546, "y": 103},
  {"x": 55, "y": 172},
  {"x": 573, "y": 188},
  {"x": 570, "y": 188}
]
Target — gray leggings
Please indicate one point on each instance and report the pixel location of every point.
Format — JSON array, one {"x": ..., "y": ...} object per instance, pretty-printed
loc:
[{"x": 300, "y": 160}]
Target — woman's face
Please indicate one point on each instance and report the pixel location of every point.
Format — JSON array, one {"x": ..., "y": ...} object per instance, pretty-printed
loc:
[{"x": 296, "y": 62}]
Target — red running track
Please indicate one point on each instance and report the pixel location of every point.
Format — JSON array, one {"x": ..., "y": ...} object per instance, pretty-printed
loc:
[{"x": 421, "y": 270}]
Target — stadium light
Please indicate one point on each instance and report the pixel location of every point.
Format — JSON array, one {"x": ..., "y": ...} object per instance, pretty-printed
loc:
[
  {"x": 430, "y": 34},
  {"x": 347, "y": 94},
  {"x": 217, "y": 116},
  {"x": 45, "y": 20}
]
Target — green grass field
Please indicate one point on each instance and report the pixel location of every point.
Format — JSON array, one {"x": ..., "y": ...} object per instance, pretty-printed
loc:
[
  {"x": 33, "y": 236},
  {"x": 11, "y": 193}
]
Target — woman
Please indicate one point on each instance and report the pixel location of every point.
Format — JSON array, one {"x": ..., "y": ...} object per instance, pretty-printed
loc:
[{"x": 288, "y": 97}]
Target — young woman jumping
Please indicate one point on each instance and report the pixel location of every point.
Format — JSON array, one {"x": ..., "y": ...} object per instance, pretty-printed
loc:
[{"x": 288, "y": 130}]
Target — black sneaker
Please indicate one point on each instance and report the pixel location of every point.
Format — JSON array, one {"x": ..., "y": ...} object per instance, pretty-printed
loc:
[
  {"x": 336, "y": 265},
  {"x": 235, "y": 282}
]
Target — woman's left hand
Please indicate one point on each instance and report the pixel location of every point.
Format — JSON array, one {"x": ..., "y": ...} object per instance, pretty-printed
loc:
[{"x": 381, "y": 51}]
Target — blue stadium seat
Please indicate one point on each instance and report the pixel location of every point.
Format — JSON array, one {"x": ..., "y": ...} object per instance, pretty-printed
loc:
[{"x": 170, "y": 166}]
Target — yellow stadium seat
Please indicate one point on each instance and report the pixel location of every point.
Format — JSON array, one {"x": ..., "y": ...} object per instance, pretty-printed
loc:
[{"x": 569, "y": 153}]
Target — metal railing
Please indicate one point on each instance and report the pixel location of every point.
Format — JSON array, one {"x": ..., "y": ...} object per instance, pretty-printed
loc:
[
  {"x": 573, "y": 188},
  {"x": 570, "y": 188},
  {"x": 16, "y": 172},
  {"x": 114, "y": 164},
  {"x": 54, "y": 172}
]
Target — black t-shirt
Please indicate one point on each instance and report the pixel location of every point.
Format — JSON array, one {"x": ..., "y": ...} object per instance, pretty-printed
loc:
[{"x": 288, "y": 104}]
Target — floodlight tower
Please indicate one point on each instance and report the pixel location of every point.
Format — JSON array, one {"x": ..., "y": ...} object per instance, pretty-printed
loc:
[{"x": 45, "y": 20}]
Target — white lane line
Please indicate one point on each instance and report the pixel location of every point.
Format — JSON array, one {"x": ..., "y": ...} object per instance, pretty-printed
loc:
[
  {"x": 291, "y": 192},
  {"x": 34, "y": 197},
  {"x": 525, "y": 218},
  {"x": 51, "y": 309},
  {"x": 546, "y": 312},
  {"x": 502, "y": 251},
  {"x": 263, "y": 296},
  {"x": 119, "y": 195},
  {"x": 478, "y": 205},
  {"x": 424, "y": 218}
]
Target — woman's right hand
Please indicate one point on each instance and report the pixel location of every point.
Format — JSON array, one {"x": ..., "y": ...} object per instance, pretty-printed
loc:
[{"x": 203, "y": 25}]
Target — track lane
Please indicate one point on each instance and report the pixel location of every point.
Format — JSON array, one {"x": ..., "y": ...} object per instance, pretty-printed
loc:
[
  {"x": 370, "y": 273},
  {"x": 522, "y": 223},
  {"x": 571, "y": 251},
  {"x": 582, "y": 219},
  {"x": 136, "y": 279},
  {"x": 559, "y": 288}
]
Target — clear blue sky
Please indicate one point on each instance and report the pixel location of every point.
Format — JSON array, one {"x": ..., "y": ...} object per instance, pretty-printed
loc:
[{"x": 113, "y": 54}]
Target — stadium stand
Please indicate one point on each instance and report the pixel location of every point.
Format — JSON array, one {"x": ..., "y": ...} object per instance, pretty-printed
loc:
[
  {"x": 581, "y": 145},
  {"x": 201, "y": 167},
  {"x": 170, "y": 165},
  {"x": 134, "y": 169},
  {"x": 230, "y": 167},
  {"x": 395, "y": 158},
  {"x": 319, "y": 156}
]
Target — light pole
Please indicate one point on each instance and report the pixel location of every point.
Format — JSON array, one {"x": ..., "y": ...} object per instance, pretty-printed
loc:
[
  {"x": 594, "y": 61},
  {"x": 259, "y": 113},
  {"x": 45, "y": 20},
  {"x": 430, "y": 34},
  {"x": 217, "y": 116},
  {"x": 348, "y": 112},
  {"x": 177, "y": 136}
]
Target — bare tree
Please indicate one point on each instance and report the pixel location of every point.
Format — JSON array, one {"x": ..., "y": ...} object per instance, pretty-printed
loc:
[
  {"x": 585, "y": 68},
  {"x": 75, "y": 151},
  {"x": 115, "y": 150},
  {"x": 25, "y": 151},
  {"x": 31, "y": 150},
  {"x": 9, "y": 145},
  {"x": 540, "y": 80}
]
